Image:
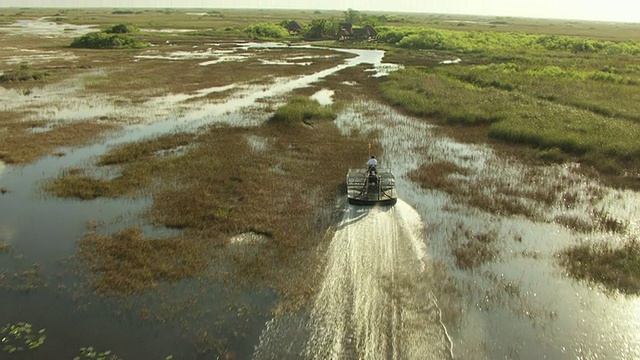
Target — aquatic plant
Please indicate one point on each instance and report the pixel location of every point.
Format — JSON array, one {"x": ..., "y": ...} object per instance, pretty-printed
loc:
[
  {"x": 266, "y": 31},
  {"x": 23, "y": 73},
  {"x": 127, "y": 262},
  {"x": 105, "y": 40},
  {"x": 21, "y": 337},
  {"x": 616, "y": 268},
  {"x": 302, "y": 109},
  {"x": 90, "y": 353},
  {"x": 122, "y": 29}
]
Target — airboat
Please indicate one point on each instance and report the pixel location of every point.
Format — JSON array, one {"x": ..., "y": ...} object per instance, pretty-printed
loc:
[{"x": 372, "y": 186}]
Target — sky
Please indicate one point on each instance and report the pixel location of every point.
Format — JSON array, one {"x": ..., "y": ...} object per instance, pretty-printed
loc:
[{"x": 599, "y": 10}]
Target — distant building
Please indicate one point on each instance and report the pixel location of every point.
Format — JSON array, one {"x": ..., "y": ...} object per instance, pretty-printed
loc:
[
  {"x": 346, "y": 31},
  {"x": 294, "y": 28}
]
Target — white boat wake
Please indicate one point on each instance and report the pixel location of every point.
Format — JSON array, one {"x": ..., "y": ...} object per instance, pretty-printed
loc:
[{"x": 375, "y": 301}]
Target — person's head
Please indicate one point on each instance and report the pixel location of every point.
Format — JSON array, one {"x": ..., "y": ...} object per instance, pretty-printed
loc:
[{"x": 373, "y": 157}]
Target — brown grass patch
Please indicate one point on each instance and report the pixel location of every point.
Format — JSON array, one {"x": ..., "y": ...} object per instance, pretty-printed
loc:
[
  {"x": 80, "y": 187},
  {"x": 614, "y": 268},
  {"x": 21, "y": 144},
  {"x": 4, "y": 246},
  {"x": 126, "y": 262},
  {"x": 436, "y": 175},
  {"x": 472, "y": 249}
]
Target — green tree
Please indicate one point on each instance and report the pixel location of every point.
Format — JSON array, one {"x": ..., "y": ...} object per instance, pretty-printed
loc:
[
  {"x": 266, "y": 31},
  {"x": 318, "y": 29},
  {"x": 352, "y": 16},
  {"x": 122, "y": 29}
]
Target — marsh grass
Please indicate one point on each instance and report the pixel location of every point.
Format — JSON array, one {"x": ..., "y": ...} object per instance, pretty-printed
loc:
[
  {"x": 79, "y": 187},
  {"x": 22, "y": 74},
  {"x": 561, "y": 115},
  {"x": 437, "y": 176},
  {"x": 302, "y": 109},
  {"x": 220, "y": 186},
  {"x": 472, "y": 249},
  {"x": 127, "y": 262},
  {"x": 139, "y": 151},
  {"x": 22, "y": 145},
  {"x": 503, "y": 199},
  {"x": 616, "y": 268}
]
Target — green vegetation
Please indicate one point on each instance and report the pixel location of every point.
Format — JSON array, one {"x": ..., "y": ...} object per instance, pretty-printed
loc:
[
  {"x": 302, "y": 109},
  {"x": 103, "y": 40},
  {"x": 617, "y": 268},
  {"x": 572, "y": 110},
  {"x": 494, "y": 41},
  {"x": 89, "y": 353},
  {"x": 320, "y": 29},
  {"x": 266, "y": 31},
  {"x": 122, "y": 29},
  {"x": 113, "y": 38},
  {"x": 21, "y": 337},
  {"x": 566, "y": 96},
  {"x": 23, "y": 73}
]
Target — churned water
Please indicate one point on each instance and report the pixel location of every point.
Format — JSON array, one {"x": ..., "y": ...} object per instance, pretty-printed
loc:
[{"x": 375, "y": 300}]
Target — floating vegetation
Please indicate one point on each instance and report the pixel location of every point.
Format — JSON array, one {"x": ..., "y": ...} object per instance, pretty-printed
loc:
[
  {"x": 21, "y": 337},
  {"x": 30, "y": 279},
  {"x": 302, "y": 108},
  {"x": 87, "y": 353},
  {"x": 473, "y": 248},
  {"x": 616, "y": 268}
]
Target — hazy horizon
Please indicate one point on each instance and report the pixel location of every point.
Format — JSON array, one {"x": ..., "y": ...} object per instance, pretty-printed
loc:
[{"x": 593, "y": 10}]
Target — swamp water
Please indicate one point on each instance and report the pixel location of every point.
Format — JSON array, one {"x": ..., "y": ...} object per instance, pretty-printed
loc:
[{"x": 390, "y": 288}]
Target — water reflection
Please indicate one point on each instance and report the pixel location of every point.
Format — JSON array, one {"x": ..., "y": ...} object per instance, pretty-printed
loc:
[
  {"x": 324, "y": 96},
  {"x": 43, "y": 28}
]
